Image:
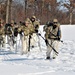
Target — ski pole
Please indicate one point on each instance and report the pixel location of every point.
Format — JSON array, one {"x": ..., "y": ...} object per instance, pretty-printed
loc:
[
  {"x": 29, "y": 43},
  {"x": 48, "y": 43}
]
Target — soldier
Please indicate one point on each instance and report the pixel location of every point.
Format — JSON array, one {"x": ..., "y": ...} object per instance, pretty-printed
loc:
[
  {"x": 31, "y": 31},
  {"x": 53, "y": 35},
  {"x": 36, "y": 27},
  {"x": 30, "y": 26},
  {"x": 15, "y": 32},
  {"x": 47, "y": 29},
  {"x": 9, "y": 34},
  {"x": 2, "y": 34},
  {"x": 24, "y": 32}
]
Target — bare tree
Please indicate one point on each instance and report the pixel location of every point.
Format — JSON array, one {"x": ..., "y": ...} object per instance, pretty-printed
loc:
[
  {"x": 25, "y": 8},
  {"x": 44, "y": 10},
  {"x": 70, "y": 6},
  {"x": 2, "y": 8},
  {"x": 8, "y": 11}
]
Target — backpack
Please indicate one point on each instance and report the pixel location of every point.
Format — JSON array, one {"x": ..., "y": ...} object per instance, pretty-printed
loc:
[
  {"x": 8, "y": 29},
  {"x": 16, "y": 32},
  {"x": 59, "y": 32}
]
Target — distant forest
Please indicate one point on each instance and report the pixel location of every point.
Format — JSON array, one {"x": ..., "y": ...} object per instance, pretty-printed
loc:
[{"x": 44, "y": 10}]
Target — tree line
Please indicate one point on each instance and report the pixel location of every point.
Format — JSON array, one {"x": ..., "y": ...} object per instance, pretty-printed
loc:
[{"x": 44, "y": 10}]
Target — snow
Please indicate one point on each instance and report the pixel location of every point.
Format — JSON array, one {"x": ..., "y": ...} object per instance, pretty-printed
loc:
[
  {"x": 34, "y": 63},
  {"x": 68, "y": 32}
]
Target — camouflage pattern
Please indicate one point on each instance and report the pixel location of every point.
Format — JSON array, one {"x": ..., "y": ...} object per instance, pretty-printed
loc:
[
  {"x": 53, "y": 39},
  {"x": 54, "y": 31},
  {"x": 51, "y": 33},
  {"x": 30, "y": 26},
  {"x": 2, "y": 35},
  {"x": 2, "y": 31},
  {"x": 34, "y": 17},
  {"x": 29, "y": 29},
  {"x": 34, "y": 37},
  {"x": 15, "y": 30},
  {"x": 8, "y": 30},
  {"x": 55, "y": 22},
  {"x": 24, "y": 29},
  {"x": 35, "y": 23},
  {"x": 47, "y": 31}
]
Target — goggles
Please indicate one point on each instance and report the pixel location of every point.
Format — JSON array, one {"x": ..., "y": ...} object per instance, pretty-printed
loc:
[{"x": 55, "y": 22}]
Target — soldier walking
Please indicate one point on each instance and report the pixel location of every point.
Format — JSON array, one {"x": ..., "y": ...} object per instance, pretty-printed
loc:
[
  {"x": 36, "y": 27},
  {"x": 53, "y": 36},
  {"x": 24, "y": 32}
]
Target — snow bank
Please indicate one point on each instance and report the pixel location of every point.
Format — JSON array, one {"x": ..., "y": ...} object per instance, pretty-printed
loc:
[{"x": 68, "y": 32}]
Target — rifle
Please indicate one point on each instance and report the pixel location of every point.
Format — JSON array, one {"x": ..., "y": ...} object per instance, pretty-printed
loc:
[
  {"x": 51, "y": 24},
  {"x": 56, "y": 36},
  {"x": 48, "y": 43},
  {"x": 29, "y": 43}
]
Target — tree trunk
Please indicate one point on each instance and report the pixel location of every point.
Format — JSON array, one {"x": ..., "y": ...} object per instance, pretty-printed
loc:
[
  {"x": 8, "y": 11},
  {"x": 25, "y": 9},
  {"x": 70, "y": 18}
]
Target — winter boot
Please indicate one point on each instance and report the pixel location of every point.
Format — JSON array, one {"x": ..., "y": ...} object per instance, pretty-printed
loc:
[{"x": 47, "y": 57}]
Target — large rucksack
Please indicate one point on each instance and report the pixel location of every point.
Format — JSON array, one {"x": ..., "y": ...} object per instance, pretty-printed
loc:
[
  {"x": 59, "y": 32},
  {"x": 16, "y": 32},
  {"x": 8, "y": 29}
]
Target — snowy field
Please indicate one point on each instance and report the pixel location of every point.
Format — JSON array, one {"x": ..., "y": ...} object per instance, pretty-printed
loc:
[{"x": 34, "y": 63}]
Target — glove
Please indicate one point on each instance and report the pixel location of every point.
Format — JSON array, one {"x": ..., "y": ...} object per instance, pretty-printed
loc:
[
  {"x": 30, "y": 36},
  {"x": 46, "y": 41},
  {"x": 58, "y": 39},
  {"x": 36, "y": 31},
  {"x": 15, "y": 34},
  {"x": 36, "y": 26},
  {"x": 21, "y": 32},
  {"x": 54, "y": 26},
  {"x": 39, "y": 34}
]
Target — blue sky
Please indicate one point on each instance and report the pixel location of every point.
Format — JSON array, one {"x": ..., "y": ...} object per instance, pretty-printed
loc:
[
  {"x": 63, "y": 0},
  {"x": 62, "y": 7}
]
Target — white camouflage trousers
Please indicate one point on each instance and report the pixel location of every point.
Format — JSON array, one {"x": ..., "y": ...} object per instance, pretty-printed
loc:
[
  {"x": 25, "y": 44},
  {"x": 54, "y": 44},
  {"x": 2, "y": 40},
  {"x": 10, "y": 42},
  {"x": 34, "y": 39}
]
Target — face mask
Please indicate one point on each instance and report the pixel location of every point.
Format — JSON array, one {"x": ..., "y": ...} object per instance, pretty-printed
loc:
[{"x": 54, "y": 26}]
